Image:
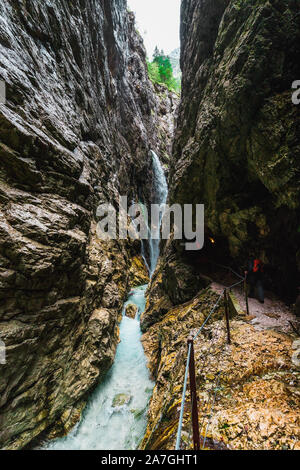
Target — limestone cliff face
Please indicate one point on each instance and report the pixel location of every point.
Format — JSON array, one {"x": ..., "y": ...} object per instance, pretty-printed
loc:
[
  {"x": 237, "y": 146},
  {"x": 165, "y": 116},
  {"x": 76, "y": 130},
  {"x": 236, "y": 150}
]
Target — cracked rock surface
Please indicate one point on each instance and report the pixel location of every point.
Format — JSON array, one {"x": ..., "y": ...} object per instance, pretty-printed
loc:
[{"x": 80, "y": 119}]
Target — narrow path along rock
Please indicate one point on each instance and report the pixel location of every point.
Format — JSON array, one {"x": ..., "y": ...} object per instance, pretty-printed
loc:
[
  {"x": 273, "y": 314},
  {"x": 257, "y": 402}
]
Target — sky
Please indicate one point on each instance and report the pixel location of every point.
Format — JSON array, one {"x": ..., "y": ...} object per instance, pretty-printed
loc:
[{"x": 158, "y": 22}]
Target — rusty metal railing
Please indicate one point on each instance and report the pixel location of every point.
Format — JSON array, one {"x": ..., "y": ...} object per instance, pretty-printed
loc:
[{"x": 190, "y": 370}]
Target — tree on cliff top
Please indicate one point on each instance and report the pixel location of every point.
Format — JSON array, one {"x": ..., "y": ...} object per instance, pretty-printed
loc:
[{"x": 160, "y": 71}]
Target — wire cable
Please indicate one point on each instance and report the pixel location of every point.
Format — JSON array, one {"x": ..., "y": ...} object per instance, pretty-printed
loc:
[
  {"x": 209, "y": 316},
  {"x": 178, "y": 440},
  {"x": 179, "y": 430}
]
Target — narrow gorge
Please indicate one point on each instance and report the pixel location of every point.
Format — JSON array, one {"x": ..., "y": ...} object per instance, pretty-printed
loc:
[{"x": 95, "y": 331}]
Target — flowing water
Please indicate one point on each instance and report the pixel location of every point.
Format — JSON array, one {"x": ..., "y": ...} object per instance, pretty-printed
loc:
[
  {"x": 115, "y": 417},
  {"x": 106, "y": 425},
  {"x": 160, "y": 194}
]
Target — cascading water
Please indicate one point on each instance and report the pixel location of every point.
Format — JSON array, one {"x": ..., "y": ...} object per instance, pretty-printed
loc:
[
  {"x": 160, "y": 194},
  {"x": 115, "y": 417}
]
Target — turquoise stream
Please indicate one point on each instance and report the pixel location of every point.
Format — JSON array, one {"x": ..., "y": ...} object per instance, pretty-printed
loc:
[{"x": 104, "y": 426}]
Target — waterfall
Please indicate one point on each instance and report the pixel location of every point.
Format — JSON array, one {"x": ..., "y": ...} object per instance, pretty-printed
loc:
[
  {"x": 115, "y": 417},
  {"x": 160, "y": 194}
]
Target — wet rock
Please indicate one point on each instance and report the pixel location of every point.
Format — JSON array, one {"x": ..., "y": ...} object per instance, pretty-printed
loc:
[
  {"x": 138, "y": 413},
  {"x": 236, "y": 150},
  {"x": 257, "y": 398},
  {"x": 297, "y": 306},
  {"x": 138, "y": 272},
  {"x": 131, "y": 311},
  {"x": 67, "y": 421},
  {"x": 121, "y": 399},
  {"x": 237, "y": 140},
  {"x": 166, "y": 113},
  {"x": 296, "y": 353},
  {"x": 157, "y": 305},
  {"x": 80, "y": 119}
]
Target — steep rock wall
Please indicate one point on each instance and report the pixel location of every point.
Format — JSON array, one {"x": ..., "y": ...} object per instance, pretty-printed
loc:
[
  {"x": 76, "y": 130},
  {"x": 237, "y": 143},
  {"x": 236, "y": 150},
  {"x": 237, "y": 140}
]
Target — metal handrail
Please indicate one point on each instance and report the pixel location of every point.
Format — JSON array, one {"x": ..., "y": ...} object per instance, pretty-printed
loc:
[
  {"x": 179, "y": 430},
  {"x": 178, "y": 440}
]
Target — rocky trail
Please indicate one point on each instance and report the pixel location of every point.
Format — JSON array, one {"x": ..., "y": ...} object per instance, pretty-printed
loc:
[
  {"x": 273, "y": 314},
  {"x": 248, "y": 391},
  {"x": 77, "y": 128}
]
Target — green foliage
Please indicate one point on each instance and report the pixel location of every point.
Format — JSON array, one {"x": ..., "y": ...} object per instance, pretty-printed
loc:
[
  {"x": 164, "y": 67},
  {"x": 153, "y": 71},
  {"x": 160, "y": 71}
]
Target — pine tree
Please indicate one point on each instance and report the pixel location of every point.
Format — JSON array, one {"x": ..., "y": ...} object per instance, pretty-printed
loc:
[
  {"x": 156, "y": 53},
  {"x": 160, "y": 71}
]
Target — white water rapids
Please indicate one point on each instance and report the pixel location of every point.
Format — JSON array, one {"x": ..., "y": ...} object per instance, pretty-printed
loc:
[{"x": 115, "y": 417}]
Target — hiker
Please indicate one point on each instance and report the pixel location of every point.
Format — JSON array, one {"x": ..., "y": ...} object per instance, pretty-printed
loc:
[{"x": 254, "y": 275}]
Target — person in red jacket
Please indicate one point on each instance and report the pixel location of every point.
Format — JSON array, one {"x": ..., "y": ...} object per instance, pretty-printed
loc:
[{"x": 254, "y": 275}]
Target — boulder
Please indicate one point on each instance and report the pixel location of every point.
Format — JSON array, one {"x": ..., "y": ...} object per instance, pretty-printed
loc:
[
  {"x": 121, "y": 399},
  {"x": 237, "y": 145},
  {"x": 131, "y": 311}
]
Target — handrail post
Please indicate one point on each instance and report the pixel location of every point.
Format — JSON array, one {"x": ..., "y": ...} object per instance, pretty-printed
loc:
[
  {"x": 246, "y": 294},
  {"x": 194, "y": 400},
  {"x": 227, "y": 316}
]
